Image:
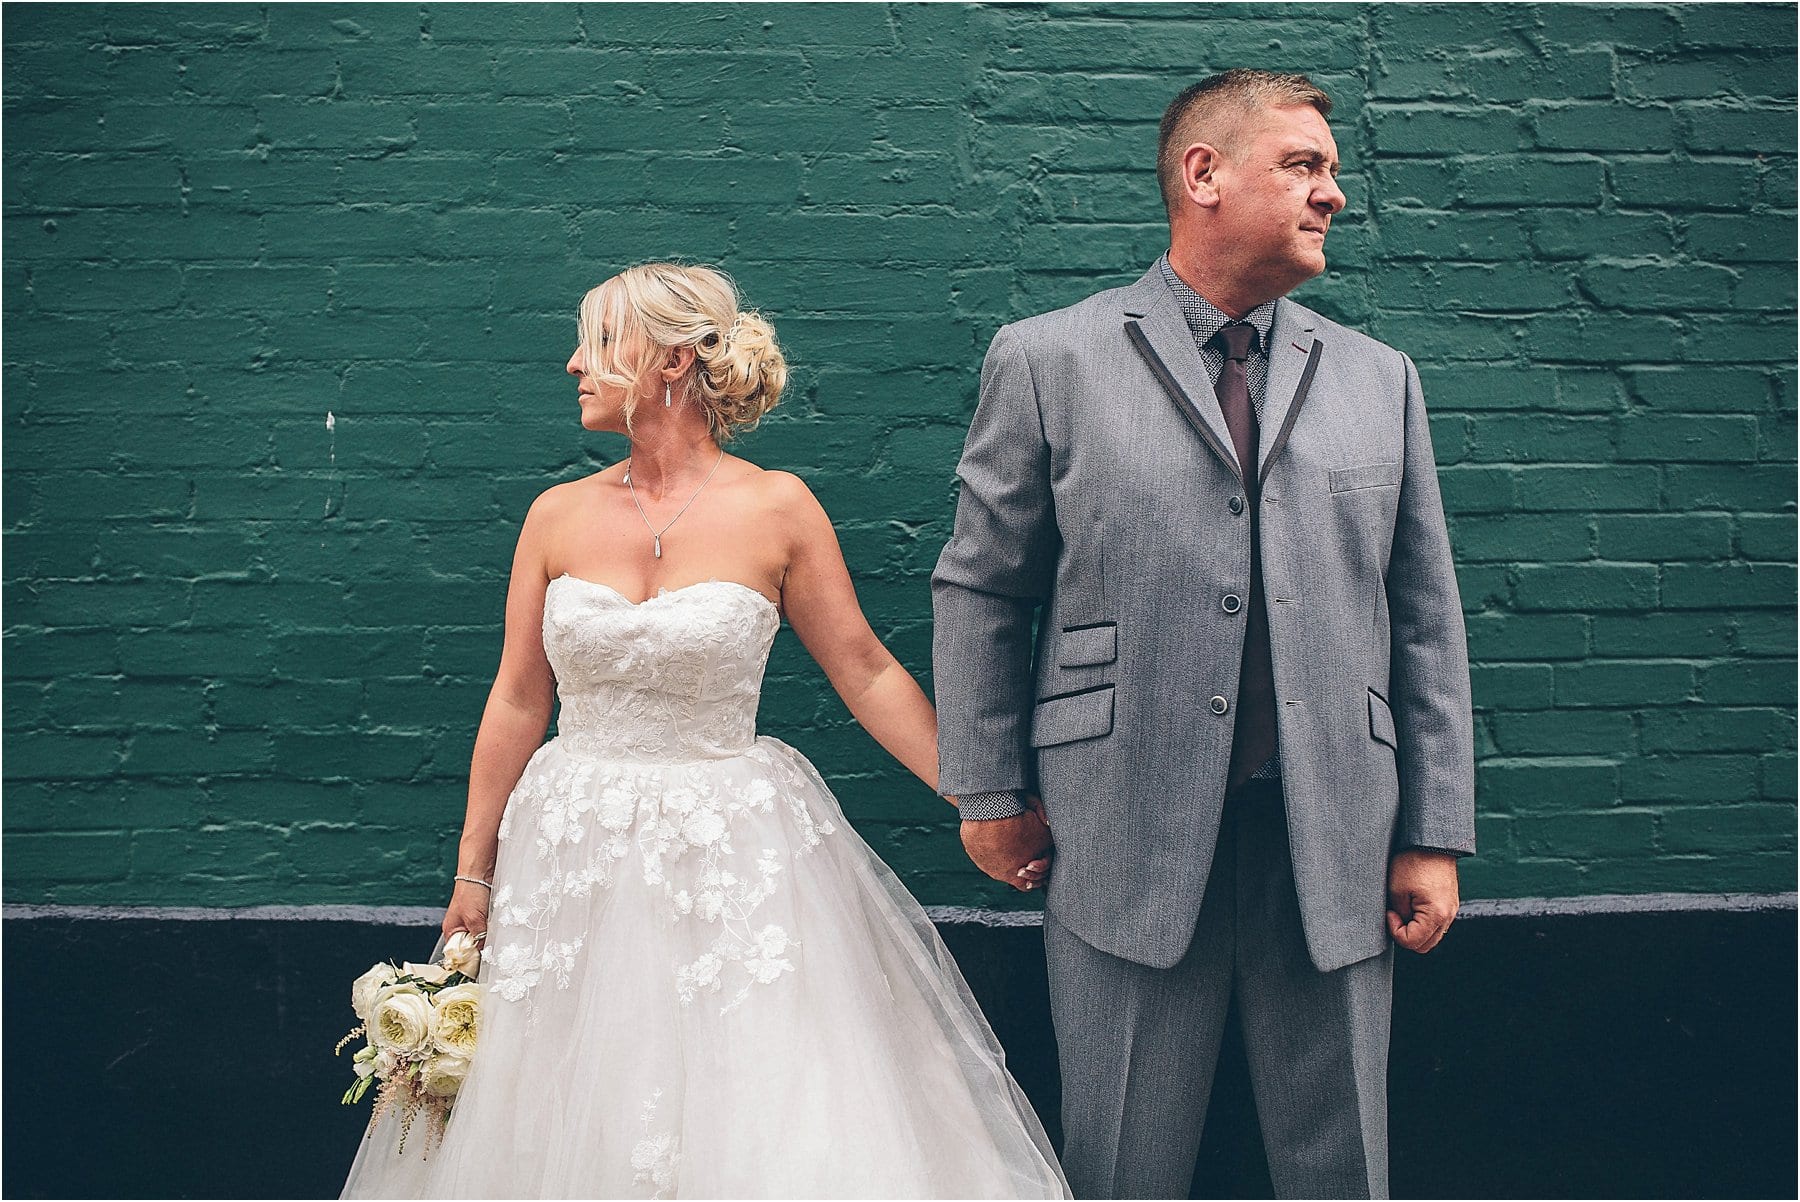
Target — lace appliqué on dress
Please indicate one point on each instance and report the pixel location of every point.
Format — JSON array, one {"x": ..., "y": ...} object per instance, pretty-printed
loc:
[
  {"x": 721, "y": 895},
  {"x": 603, "y": 790},
  {"x": 657, "y": 1157}
]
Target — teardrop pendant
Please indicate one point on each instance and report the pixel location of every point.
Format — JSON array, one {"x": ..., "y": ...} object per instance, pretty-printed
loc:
[{"x": 655, "y": 534}]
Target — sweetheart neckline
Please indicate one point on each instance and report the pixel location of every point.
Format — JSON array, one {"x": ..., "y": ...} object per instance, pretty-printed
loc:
[{"x": 670, "y": 592}]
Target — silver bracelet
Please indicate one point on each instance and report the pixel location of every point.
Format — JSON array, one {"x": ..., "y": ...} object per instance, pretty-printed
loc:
[{"x": 475, "y": 880}]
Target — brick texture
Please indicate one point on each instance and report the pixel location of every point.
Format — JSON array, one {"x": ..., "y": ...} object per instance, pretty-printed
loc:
[{"x": 246, "y": 648}]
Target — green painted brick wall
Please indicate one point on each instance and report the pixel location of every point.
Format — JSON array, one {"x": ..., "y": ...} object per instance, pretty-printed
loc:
[{"x": 244, "y": 654}]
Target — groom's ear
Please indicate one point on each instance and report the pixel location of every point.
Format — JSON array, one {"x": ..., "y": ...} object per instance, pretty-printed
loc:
[{"x": 1199, "y": 174}]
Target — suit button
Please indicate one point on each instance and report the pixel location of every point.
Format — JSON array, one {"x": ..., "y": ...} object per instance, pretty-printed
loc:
[
  {"x": 1236, "y": 504},
  {"x": 1230, "y": 603},
  {"x": 1219, "y": 705}
]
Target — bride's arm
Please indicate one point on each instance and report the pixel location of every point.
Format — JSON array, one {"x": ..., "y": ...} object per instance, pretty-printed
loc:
[
  {"x": 512, "y": 725},
  {"x": 820, "y": 603}
]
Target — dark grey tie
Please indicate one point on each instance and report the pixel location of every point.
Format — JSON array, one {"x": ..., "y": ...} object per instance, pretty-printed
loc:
[
  {"x": 1253, "y": 740},
  {"x": 1234, "y": 342}
]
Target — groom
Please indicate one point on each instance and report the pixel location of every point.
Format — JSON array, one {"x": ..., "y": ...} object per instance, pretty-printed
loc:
[{"x": 1199, "y": 599}]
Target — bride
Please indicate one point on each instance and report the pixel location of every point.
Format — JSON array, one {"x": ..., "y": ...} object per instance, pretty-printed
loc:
[{"x": 699, "y": 982}]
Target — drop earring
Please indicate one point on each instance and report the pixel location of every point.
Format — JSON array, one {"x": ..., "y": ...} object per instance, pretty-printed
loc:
[{"x": 667, "y": 398}]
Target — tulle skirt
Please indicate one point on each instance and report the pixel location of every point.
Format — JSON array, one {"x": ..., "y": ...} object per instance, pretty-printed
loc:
[{"x": 700, "y": 982}]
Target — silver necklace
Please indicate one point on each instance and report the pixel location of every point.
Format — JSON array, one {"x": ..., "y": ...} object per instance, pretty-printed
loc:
[{"x": 655, "y": 534}]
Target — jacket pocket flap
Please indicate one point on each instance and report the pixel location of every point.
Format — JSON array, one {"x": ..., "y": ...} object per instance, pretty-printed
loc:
[
  {"x": 1371, "y": 475},
  {"x": 1072, "y": 717},
  {"x": 1085, "y": 646},
  {"x": 1381, "y": 721}
]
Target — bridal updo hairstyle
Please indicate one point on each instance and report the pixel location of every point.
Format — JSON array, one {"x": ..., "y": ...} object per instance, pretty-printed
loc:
[{"x": 654, "y": 307}]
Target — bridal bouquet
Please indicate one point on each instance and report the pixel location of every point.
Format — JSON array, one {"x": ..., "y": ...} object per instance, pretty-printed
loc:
[{"x": 420, "y": 1023}]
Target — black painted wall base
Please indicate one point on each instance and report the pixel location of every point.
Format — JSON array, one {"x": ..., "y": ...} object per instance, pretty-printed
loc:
[{"x": 1624, "y": 1055}]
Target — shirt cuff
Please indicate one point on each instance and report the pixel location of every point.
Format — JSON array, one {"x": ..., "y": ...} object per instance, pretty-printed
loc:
[{"x": 985, "y": 807}]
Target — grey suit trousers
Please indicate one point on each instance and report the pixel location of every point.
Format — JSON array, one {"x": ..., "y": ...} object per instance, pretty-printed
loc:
[{"x": 1139, "y": 1044}]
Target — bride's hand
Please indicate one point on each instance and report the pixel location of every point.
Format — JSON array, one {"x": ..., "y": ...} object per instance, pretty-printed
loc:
[{"x": 467, "y": 911}]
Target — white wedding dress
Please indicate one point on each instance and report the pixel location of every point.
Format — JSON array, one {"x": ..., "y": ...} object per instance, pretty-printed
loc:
[{"x": 700, "y": 982}]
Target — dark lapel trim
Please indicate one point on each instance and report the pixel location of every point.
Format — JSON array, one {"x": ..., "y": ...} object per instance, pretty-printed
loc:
[
  {"x": 1305, "y": 386},
  {"x": 1182, "y": 400}
]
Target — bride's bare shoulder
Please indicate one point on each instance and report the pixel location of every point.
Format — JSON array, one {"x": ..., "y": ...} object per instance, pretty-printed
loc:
[
  {"x": 562, "y": 506},
  {"x": 784, "y": 496},
  {"x": 780, "y": 486},
  {"x": 573, "y": 494}
]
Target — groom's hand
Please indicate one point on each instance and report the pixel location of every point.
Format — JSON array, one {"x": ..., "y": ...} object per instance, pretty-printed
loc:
[
  {"x": 1422, "y": 898},
  {"x": 1015, "y": 851}
]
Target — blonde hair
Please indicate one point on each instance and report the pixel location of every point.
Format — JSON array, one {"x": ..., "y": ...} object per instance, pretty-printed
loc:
[
  {"x": 738, "y": 371},
  {"x": 1214, "y": 111}
]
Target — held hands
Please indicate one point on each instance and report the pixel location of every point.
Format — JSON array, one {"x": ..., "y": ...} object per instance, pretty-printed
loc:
[
  {"x": 1017, "y": 850},
  {"x": 1422, "y": 898},
  {"x": 467, "y": 911}
]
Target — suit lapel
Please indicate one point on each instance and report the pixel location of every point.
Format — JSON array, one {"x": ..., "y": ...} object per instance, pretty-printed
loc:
[
  {"x": 1155, "y": 326},
  {"x": 1293, "y": 357}
]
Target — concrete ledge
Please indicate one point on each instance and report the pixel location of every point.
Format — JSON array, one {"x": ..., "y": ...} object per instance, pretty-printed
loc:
[{"x": 429, "y": 916}]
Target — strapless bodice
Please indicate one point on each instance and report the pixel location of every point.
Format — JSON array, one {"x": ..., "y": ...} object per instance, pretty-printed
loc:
[{"x": 673, "y": 678}]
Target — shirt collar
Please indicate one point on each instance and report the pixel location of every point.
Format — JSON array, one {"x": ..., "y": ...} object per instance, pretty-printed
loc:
[{"x": 1205, "y": 319}]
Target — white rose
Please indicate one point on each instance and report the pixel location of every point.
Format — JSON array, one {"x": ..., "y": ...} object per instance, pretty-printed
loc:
[
  {"x": 437, "y": 974},
  {"x": 457, "y": 1009},
  {"x": 364, "y": 989},
  {"x": 400, "y": 1020},
  {"x": 442, "y": 1076},
  {"x": 462, "y": 954},
  {"x": 386, "y": 1063}
]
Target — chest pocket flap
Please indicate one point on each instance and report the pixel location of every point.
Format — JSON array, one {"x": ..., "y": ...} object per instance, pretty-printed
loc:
[
  {"x": 1372, "y": 475},
  {"x": 1084, "y": 646}
]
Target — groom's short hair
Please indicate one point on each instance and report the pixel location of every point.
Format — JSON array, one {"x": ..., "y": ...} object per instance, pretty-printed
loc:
[{"x": 1214, "y": 111}]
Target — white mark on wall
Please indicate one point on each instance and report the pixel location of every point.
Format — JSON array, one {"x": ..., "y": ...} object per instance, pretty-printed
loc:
[{"x": 331, "y": 434}]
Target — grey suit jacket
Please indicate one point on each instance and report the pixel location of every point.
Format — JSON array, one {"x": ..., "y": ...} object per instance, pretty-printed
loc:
[{"x": 1084, "y": 644}]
